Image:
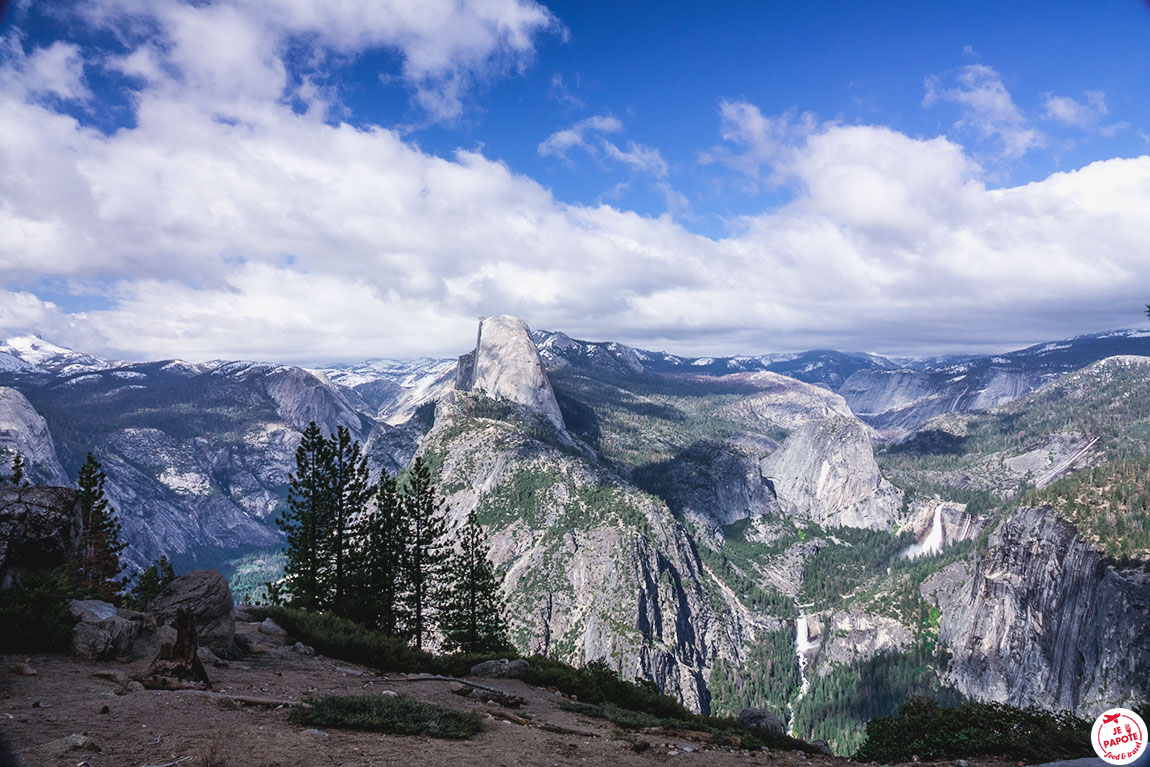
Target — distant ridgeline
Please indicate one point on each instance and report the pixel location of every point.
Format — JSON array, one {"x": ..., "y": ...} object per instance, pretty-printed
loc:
[{"x": 821, "y": 535}]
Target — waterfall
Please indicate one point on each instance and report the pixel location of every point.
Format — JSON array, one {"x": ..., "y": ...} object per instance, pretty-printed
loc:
[
  {"x": 932, "y": 543},
  {"x": 803, "y": 645}
]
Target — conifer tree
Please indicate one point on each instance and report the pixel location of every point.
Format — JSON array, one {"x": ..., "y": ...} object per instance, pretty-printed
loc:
[
  {"x": 427, "y": 550},
  {"x": 350, "y": 493},
  {"x": 150, "y": 583},
  {"x": 100, "y": 538},
  {"x": 306, "y": 522},
  {"x": 17, "y": 477},
  {"x": 472, "y": 617},
  {"x": 380, "y": 553}
]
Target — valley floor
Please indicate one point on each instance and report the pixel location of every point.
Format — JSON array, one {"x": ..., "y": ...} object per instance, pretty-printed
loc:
[{"x": 154, "y": 728}]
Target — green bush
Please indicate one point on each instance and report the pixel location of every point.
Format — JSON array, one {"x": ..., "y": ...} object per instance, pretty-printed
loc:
[
  {"x": 597, "y": 683},
  {"x": 399, "y": 715},
  {"x": 347, "y": 640},
  {"x": 925, "y": 731},
  {"x": 36, "y": 615}
]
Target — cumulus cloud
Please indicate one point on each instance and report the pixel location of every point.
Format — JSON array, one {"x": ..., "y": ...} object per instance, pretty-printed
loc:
[
  {"x": 559, "y": 143},
  {"x": 229, "y": 223},
  {"x": 987, "y": 108}
]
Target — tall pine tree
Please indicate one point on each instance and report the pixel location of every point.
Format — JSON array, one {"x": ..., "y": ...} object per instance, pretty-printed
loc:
[
  {"x": 472, "y": 616},
  {"x": 17, "y": 477},
  {"x": 427, "y": 551},
  {"x": 98, "y": 561},
  {"x": 379, "y": 562},
  {"x": 350, "y": 492},
  {"x": 306, "y": 522}
]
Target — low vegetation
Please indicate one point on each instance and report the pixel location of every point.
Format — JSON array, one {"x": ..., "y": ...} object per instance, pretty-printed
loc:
[
  {"x": 925, "y": 731},
  {"x": 393, "y": 715},
  {"x": 36, "y": 615}
]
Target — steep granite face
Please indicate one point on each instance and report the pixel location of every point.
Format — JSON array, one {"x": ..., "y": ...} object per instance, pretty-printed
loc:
[
  {"x": 825, "y": 472},
  {"x": 23, "y": 430},
  {"x": 1042, "y": 620},
  {"x": 505, "y": 365}
]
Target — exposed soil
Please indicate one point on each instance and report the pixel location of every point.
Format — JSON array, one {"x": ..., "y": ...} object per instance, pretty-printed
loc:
[{"x": 152, "y": 727}]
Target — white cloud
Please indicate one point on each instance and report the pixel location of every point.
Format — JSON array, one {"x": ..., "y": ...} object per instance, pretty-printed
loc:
[
  {"x": 56, "y": 70},
  {"x": 639, "y": 158},
  {"x": 230, "y": 225},
  {"x": 987, "y": 108},
  {"x": 562, "y": 141}
]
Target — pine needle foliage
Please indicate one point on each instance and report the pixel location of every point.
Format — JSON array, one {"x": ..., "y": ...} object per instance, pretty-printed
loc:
[
  {"x": 427, "y": 551},
  {"x": 472, "y": 617},
  {"x": 101, "y": 538}
]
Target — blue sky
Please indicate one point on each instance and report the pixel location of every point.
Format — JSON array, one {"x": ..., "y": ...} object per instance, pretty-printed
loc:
[{"x": 260, "y": 178}]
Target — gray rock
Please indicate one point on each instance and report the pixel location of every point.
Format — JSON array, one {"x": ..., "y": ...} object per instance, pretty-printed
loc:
[
  {"x": 501, "y": 668},
  {"x": 825, "y": 748},
  {"x": 271, "y": 628},
  {"x": 39, "y": 529},
  {"x": 206, "y": 594},
  {"x": 317, "y": 734},
  {"x": 101, "y": 633},
  {"x": 24, "y": 430},
  {"x": 303, "y": 649},
  {"x": 61, "y": 747},
  {"x": 961, "y": 763},
  {"x": 209, "y": 658},
  {"x": 761, "y": 719},
  {"x": 505, "y": 365}
]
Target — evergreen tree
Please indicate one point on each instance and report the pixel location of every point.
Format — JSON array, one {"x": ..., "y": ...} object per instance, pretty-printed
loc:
[
  {"x": 472, "y": 616},
  {"x": 100, "y": 538},
  {"x": 306, "y": 522},
  {"x": 150, "y": 583},
  {"x": 380, "y": 553},
  {"x": 17, "y": 477},
  {"x": 350, "y": 493},
  {"x": 427, "y": 551}
]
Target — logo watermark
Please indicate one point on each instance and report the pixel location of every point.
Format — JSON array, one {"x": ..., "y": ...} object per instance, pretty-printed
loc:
[{"x": 1119, "y": 736}]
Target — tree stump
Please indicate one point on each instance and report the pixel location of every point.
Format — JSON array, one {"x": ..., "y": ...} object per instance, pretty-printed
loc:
[{"x": 177, "y": 666}]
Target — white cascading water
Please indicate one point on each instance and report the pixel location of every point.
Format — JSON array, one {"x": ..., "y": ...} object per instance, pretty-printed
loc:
[
  {"x": 803, "y": 645},
  {"x": 931, "y": 544}
]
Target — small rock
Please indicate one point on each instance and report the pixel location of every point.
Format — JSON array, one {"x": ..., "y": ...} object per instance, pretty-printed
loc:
[
  {"x": 209, "y": 658},
  {"x": 303, "y": 649},
  {"x": 134, "y": 686},
  {"x": 501, "y": 668},
  {"x": 41, "y": 704},
  {"x": 271, "y": 628},
  {"x": 825, "y": 748},
  {"x": 105, "y": 710},
  {"x": 74, "y": 742},
  {"x": 689, "y": 749},
  {"x": 961, "y": 763},
  {"x": 390, "y": 694},
  {"x": 23, "y": 669},
  {"x": 348, "y": 671},
  {"x": 317, "y": 734}
]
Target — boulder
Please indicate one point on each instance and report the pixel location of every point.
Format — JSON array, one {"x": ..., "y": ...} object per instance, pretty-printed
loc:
[
  {"x": 271, "y": 628},
  {"x": 206, "y": 594},
  {"x": 760, "y": 719},
  {"x": 102, "y": 633},
  {"x": 39, "y": 530},
  {"x": 501, "y": 668}
]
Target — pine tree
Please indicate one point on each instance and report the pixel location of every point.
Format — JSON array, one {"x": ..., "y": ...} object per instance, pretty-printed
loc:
[
  {"x": 350, "y": 493},
  {"x": 306, "y": 522},
  {"x": 17, "y": 477},
  {"x": 380, "y": 553},
  {"x": 472, "y": 617},
  {"x": 150, "y": 583},
  {"x": 100, "y": 538},
  {"x": 427, "y": 551}
]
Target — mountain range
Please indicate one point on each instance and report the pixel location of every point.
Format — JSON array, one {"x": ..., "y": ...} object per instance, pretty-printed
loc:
[{"x": 788, "y": 531}]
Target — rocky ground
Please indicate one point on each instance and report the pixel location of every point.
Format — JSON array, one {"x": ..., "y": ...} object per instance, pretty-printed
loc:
[{"x": 65, "y": 715}]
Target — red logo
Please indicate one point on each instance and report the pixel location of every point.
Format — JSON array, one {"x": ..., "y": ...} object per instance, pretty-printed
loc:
[{"x": 1119, "y": 736}]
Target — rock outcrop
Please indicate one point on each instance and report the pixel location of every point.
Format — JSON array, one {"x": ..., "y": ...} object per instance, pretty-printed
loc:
[
  {"x": 102, "y": 633},
  {"x": 825, "y": 472},
  {"x": 1042, "y": 620},
  {"x": 39, "y": 529},
  {"x": 505, "y": 365},
  {"x": 206, "y": 594},
  {"x": 25, "y": 431}
]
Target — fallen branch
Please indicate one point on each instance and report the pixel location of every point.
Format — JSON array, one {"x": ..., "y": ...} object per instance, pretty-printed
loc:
[
  {"x": 437, "y": 678},
  {"x": 251, "y": 701},
  {"x": 168, "y": 764}
]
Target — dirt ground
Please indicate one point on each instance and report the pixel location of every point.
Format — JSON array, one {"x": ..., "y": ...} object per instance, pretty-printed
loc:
[{"x": 150, "y": 728}]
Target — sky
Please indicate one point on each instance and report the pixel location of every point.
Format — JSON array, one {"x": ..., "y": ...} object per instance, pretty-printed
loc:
[{"x": 311, "y": 182}]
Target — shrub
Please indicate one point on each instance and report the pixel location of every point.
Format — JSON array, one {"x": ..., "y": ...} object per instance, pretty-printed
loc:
[
  {"x": 925, "y": 731},
  {"x": 399, "y": 715},
  {"x": 37, "y": 615},
  {"x": 597, "y": 683}
]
